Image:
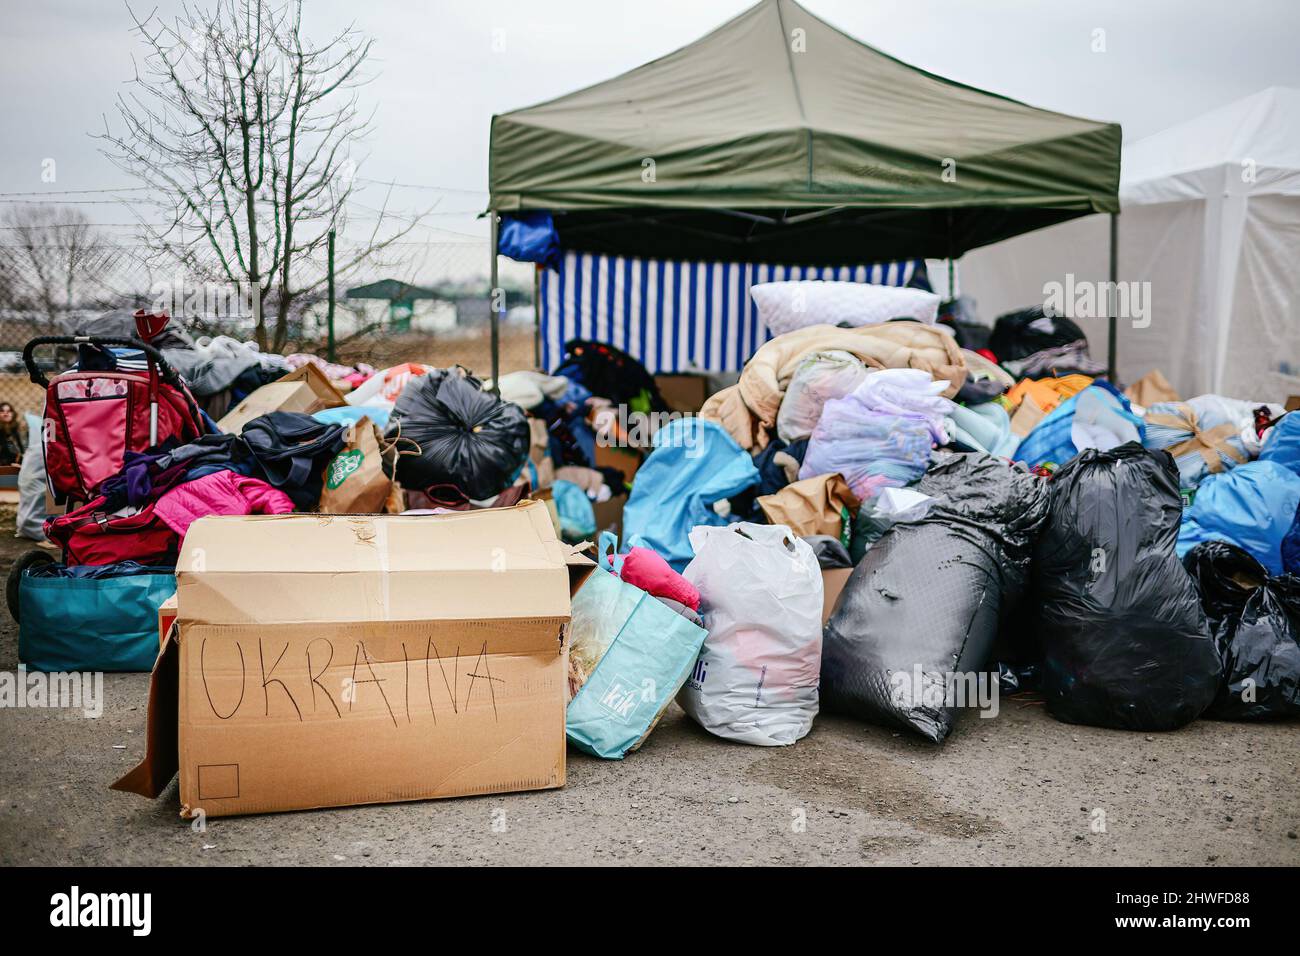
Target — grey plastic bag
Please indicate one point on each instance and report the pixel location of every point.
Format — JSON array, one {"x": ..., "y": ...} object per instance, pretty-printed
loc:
[{"x": 924, "y": 604}]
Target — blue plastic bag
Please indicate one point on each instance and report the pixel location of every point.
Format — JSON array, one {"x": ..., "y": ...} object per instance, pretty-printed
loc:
[
  {"x": 577, "y": 517},
  {"x": 1104, "y": 418},
  {"x": 1291, "y": 548},
  {"x": 629, "y": 654},
  {"x": 73, "y": 621},
  {"x": 1252, "y": 506},
  {"x": 351, "y": 414},
  {"x": 694, "y": 464},
  {"x": 1283, "y": 443},
  {"x": 530, "y": 237}
]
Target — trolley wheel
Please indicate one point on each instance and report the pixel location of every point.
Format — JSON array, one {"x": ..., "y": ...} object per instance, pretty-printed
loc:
[{"x": 30, "y": 559}]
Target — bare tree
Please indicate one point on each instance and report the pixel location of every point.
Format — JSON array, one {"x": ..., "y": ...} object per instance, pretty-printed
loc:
[
  {"x": 244, "y": 131},
  {"x": 55, "y": 252}
]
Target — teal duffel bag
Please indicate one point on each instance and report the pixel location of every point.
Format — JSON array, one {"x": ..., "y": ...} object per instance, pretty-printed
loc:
[{"x": 91, "y": 618}]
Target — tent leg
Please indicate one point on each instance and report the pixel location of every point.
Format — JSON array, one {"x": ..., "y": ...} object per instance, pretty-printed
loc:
[
  {"x": 1112, "y": 320},
  {"x": 494, "y": 314},
  {"x": 537, "y": 317}
]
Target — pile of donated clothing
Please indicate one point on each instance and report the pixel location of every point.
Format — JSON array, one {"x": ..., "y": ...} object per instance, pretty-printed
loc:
[
  {"x": 995, "y": 507},
  {"x": 986, "y": 501}
]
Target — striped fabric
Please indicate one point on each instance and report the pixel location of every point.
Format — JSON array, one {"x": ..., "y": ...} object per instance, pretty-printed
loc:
[{"x": 673, "y": 316}]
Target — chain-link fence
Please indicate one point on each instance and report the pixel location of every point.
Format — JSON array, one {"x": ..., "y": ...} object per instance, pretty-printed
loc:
[{"x": 413, "y": 301}]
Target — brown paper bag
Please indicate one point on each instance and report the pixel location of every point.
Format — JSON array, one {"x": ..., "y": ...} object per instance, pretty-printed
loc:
[
  {"x": 1151, "y": 388},
  {"x": 354, "y": 480},
  {"x": 820, "y": 505}
]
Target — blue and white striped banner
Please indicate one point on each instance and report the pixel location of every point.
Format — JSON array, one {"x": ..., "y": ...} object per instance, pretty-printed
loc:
[{"x": 674, "y": 316}]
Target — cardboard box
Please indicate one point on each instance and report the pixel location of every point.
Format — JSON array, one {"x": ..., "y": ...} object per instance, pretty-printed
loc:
[
  {"x": 833, "y": 581},
  {"x": 683, "y": 393},
  {"x": 305, "y": 389},
  {"x": 327, "y": 661},
  {"x": 609, "y": 515}
]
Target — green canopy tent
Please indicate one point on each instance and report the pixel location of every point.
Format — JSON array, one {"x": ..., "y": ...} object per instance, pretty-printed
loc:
[{"x": 778, "y": 138}]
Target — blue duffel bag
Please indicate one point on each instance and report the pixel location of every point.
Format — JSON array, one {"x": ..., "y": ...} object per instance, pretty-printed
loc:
[{"x": 91, "y": 618}]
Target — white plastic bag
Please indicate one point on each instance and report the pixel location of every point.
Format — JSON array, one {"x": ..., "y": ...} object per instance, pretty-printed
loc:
[
  {"x": 30, "y": 519},
  {"x": 820, "y": 377},
  {"x": 757, "y": 676}
]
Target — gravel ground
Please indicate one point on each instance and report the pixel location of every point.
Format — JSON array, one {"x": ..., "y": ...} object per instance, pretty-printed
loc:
[{"x": 1020, "y": 788}]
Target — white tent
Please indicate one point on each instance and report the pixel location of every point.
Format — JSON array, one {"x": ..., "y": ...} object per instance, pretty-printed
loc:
[{"x": 1211, "y": 219}]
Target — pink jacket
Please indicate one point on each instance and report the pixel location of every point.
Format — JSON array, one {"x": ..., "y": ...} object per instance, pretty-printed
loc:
[
  {"x": 651, "y": 573},
  {"x": 220, "y": 493}
]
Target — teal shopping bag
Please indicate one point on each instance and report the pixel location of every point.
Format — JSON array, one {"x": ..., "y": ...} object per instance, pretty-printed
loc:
[
  {"x": 629, "y": 654},
  {"x": 90, "y": 623}
]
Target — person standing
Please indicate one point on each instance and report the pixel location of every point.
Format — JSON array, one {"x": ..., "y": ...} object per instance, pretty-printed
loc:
[{"x": 12, "y": 444}]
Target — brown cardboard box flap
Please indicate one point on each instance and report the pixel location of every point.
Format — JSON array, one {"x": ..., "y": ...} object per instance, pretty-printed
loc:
[
  {"x": 317, "y": 381},
  {"x": 496, "y": 563},
  {"x": 161, "y": 759}
]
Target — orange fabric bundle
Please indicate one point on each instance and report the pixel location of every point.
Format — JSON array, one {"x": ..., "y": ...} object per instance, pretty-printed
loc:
[{"x": 1048, "y": 392}]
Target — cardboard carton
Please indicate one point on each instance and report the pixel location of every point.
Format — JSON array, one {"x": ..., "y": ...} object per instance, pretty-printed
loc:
[
  {"x": 325, "y": 661},
  {"x": 683, "y": 392},
  {"x": 833, "y": 581},
  {"x": 305, "y": 389}
]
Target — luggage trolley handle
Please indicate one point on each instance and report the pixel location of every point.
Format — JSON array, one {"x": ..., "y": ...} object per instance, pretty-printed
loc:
[{"x": 153, "y": 355}]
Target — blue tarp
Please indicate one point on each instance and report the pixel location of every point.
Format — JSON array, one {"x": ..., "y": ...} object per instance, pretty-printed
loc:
[{"x": 694, "y": 464}]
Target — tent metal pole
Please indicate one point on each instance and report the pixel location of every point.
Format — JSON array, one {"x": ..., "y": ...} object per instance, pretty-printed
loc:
[
  {"x": 1112, "y": 320},
  {"x": 537, "y": 317},
  {"x": 952, "y": 292},
  {"x": 494, "y": 314}
]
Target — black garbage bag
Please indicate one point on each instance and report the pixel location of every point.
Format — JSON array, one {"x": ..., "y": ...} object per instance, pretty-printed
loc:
[
  {"x": 927, "y": 597},
  {"x": 1255, "y": 620},
  {"x": 468, "y": 438},
  {"x": 1125, "y": 642},
  {"x": 1018, "y": 335},
  {"x": 1016, "y": 679},
  {"x": 830, "y": 552}
]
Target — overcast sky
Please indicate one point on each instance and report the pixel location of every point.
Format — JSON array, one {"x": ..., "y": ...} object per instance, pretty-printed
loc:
[{"x": 438, "y": 80}]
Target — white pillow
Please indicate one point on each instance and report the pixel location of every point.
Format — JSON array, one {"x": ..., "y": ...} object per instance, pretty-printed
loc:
[{"x": 786, "y": 306}]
